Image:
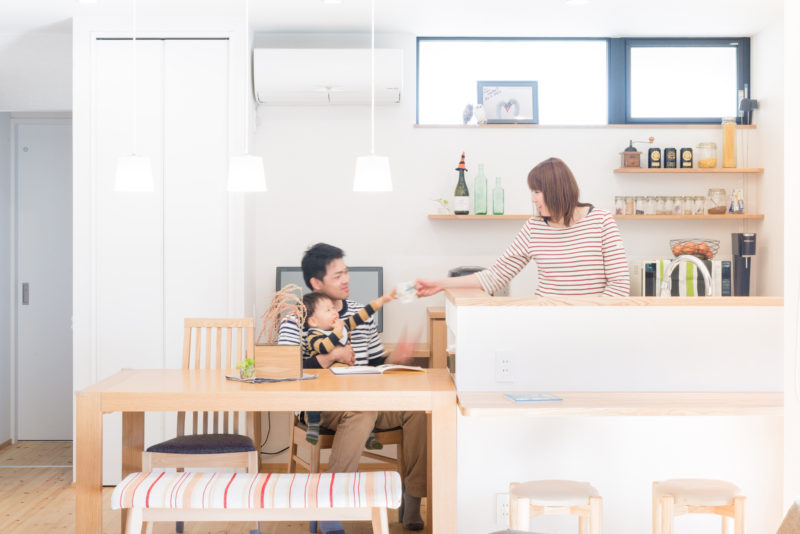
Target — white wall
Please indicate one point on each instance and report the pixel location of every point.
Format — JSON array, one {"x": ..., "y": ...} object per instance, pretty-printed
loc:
[
  {"x": 5, "y": 277},
  {"x": 310, "y": 154},
  {"x": 37, "y": 72}
]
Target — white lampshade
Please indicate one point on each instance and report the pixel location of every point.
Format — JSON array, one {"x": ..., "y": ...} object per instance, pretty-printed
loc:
[
  {"x": 372, "y": 174},
  {"x": 246, "y": 174},
  {"x": 134, "y": 175}
]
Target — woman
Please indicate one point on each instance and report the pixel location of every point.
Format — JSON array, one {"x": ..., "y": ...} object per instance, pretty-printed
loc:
[{"x": 577, "y": 247}]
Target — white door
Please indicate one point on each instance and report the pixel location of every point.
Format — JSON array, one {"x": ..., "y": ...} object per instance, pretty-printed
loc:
[{"x": 43, "y": 180}]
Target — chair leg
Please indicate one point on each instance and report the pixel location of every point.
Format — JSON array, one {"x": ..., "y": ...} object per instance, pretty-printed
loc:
[
  {"x": 667, "y": 513},
  {"x": 314, "y": 460},
  {"x": 292, "y": 466},
  {"x": 582, "y": 525},
  {"x": 738, "y": 515},
  {"x": 596, "y": 515},
  {"x": 148, "y": 527},
  {"x": 724, "y": 525},
  {"x": 656, "y": 508},
  {"x": 380, "y": 521},
  {"x": 133, "y": 523},
  {"x": 519, "y": 517}
]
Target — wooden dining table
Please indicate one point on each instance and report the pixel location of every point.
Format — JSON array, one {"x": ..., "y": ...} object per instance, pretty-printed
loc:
[{"x": 136, "y": 391}]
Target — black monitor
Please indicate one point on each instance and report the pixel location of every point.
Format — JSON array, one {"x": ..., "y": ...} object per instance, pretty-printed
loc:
[{"x": 366, "y": 284}]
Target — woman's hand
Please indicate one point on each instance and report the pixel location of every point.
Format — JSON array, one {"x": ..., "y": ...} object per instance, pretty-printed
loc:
[{"x": 427, "y": 287}]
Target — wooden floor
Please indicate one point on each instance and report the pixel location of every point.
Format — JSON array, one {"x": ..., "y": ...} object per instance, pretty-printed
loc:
[{"x": 41, "y": 498}]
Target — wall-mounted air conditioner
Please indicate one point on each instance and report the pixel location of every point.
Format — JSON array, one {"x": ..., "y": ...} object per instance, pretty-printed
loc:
[{"x": 304, "y": 76}]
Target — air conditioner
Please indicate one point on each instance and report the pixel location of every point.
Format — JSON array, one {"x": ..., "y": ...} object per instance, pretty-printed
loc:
[{"x": 303, "y": 76}]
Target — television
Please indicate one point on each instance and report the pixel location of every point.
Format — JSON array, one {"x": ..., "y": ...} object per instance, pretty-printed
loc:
[{"x": 366, "y": 284}]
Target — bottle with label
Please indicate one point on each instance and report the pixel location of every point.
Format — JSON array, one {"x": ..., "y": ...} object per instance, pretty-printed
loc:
[
  {"x": 498, "y": 198},
  {"x": 461, "y": 196},
  {"x": 481, "y": 192}
]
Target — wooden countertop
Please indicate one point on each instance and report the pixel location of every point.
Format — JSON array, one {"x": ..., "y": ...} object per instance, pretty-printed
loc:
[
  {"x": 477, "y": 297},
  {"x": 580, "y": 403}
]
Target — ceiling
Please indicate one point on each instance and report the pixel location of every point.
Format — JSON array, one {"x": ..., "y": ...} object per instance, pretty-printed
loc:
[{"x": 608, "y": 18}]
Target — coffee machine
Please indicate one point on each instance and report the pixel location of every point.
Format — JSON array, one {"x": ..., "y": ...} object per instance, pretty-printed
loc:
[{"x": 743, "y": 248}]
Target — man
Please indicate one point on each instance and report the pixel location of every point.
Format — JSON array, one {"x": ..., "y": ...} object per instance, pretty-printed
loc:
[{"x": 324, "y": 271}]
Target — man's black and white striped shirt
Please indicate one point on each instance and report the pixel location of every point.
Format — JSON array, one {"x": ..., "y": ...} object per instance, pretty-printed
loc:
[{"x": 365, "y": 339}]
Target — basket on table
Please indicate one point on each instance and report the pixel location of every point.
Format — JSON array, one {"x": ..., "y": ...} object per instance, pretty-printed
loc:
[{"x": 703, "y": 248}]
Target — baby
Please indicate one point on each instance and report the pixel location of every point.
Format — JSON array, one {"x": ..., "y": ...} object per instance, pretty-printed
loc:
[{"x": 324, "y": 332}]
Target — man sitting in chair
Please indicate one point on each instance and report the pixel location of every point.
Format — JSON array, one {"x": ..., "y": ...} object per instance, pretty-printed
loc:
[{"x": 324, "y": 271}]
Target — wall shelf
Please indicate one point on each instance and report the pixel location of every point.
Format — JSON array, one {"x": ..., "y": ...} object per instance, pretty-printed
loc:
[
  {"x": 644, "y": 170},
  {"x": 579, "y": 126},
  {"x": 753, "y": 216}
]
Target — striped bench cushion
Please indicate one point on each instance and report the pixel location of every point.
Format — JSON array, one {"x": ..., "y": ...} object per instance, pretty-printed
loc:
[{"x": 198, "y": 490}]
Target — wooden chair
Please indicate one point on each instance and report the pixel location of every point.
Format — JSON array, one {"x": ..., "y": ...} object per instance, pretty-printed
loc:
[
  {"x": 551, "y": 497},
  {"x": 213, "y": 440},
  {"x": 696, "y": 496}
]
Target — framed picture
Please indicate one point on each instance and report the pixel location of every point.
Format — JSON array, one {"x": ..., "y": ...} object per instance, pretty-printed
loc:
[{"x": 509, "y": 102}]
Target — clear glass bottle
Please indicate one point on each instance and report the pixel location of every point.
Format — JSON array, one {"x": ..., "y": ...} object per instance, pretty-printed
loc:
[
  {"x": 706, "y": 155},
  {"x": 481, "y": 192},
  {"x": 619, "y": 206},
  {"x": 652, "y": 205},
  {"x": 729, "y": 143},
  {"x": 498, "y": 198}
]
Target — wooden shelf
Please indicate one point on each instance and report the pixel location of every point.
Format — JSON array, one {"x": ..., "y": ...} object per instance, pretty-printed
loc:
[
  {"x": 645, "y": 170},
  {"x": 579, "y": 126},
  {"x": 754, "y": 216}
]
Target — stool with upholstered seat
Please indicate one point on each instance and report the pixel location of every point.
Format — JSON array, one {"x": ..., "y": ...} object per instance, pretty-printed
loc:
[
  {"x": 696, "y": 496},
  {"x": 551, "y": 497}
]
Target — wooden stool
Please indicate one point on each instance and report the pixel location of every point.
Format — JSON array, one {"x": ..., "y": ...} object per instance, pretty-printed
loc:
[
  {"x": 696, "y": 496},
  {"x": 555, "y": 497}
]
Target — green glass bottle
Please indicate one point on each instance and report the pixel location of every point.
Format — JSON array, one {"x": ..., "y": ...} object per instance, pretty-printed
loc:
[
  {"x": 481, "y": 192},
  {"x": 498, "y": 198},
  {"x": 461, "y": 196}
]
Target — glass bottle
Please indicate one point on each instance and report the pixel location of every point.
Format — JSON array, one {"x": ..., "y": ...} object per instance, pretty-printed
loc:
[
  {"x": 498, "y": 198},
  {"x": 481, "y": 192},
  {"x": 461, "y": 195},
  {"x": 729, "y": 143}
]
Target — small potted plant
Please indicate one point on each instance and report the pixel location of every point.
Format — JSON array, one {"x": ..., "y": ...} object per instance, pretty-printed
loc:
[
  {"x": 247, "y": 369},
  {"x": 444, "y": 207}
]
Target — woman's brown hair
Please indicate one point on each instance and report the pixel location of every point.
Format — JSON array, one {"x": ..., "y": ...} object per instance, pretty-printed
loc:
[{"x": 558, "y": 186}]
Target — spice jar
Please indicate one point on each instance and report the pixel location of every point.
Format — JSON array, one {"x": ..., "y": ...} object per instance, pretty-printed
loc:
[
  {"x": 619, "y": 206},
  {"x": 661, "y": 206},
  {"x": 688, "y": 205},
  {"x": 717, "y": 202},
  {"x": 699, "y": 205},
  {"x": 639, "y": 205},
  {"x": 629, "y": 208},
  {"x": 651, "y": 208},
  {"x": 706, "y": 155}
]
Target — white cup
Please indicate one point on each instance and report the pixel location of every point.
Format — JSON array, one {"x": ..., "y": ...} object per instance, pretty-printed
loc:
[{"x": 406, "y": 292}]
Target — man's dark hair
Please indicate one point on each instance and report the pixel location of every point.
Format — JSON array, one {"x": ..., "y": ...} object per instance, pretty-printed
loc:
[
  {"x": 316, "y": 259},
  {"x": 310, "y": 301}
]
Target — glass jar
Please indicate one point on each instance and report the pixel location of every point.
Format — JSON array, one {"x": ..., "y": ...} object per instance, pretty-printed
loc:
[
  {"x": 661, "y": 206},
  {"x": 729, "y": 143},
  {"x": 652, "y": 206},
  {"x": 716, "y": 202},
  {"x": 629, "y": 205},
  {"x": 699, "y": 205},
  {"x": 619, "y": 206},
  {"x": 677, "y": 205},
  {"x": 688, "y": 205},
  {"x": 639, "y": 206},
  {"x": 669, "y": 203},
  {"x": 706, "y": 155}
]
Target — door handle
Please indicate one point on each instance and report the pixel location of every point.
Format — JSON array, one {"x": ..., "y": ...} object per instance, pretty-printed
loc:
[{"x": 25, "y": 294}]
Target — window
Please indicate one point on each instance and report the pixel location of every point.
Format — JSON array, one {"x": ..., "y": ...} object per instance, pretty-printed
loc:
[
  {"x": 572, "y": 76},
  {"x": 685, "y": 80},
  {"x": 588, "y": 81}
]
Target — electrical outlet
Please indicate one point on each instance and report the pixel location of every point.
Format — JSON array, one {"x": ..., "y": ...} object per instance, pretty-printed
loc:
[
  {"x": 503, "y": 366},
  {"x": 502, "y": 510}
]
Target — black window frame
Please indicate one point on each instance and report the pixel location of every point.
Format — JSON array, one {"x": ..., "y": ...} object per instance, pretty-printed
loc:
[{"x": 618, "y": 63}]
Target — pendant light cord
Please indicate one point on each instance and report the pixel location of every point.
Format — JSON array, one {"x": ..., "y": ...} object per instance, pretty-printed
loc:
[
  {"x": 372, "y": 82},
  {"x": 133, "y": 70}
]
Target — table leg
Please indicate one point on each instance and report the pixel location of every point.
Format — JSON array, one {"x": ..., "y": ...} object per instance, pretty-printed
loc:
[
  {"x": 88, "y": 464},
  {"x": 132, "y": 447},
  {"x": 443, "y": 455}
]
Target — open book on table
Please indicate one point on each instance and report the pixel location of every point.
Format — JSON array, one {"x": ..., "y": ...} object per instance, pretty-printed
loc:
[{"x": 374, "y": 370}]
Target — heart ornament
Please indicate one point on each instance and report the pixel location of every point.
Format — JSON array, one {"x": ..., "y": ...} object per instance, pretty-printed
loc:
[{"x": 508, "y": 109}]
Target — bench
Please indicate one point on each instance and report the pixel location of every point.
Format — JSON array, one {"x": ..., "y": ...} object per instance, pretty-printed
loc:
[{"x": 226, "y": 496}]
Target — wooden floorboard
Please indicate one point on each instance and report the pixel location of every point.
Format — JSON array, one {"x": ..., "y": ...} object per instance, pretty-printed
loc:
[{"x": 43, "y": 500}]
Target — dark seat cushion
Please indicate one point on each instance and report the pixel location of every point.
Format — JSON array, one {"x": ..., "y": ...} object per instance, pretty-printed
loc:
[
  {"x": 205, "y": 444},
  {"x": 323, "y": 431}
]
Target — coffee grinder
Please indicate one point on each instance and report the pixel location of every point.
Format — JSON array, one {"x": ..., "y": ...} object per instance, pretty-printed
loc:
[{"x": 744, "y": 248}]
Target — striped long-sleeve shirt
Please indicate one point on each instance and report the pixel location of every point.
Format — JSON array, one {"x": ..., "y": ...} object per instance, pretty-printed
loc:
[
  {"x": 587, "y": 258},
  {"x": 364, "y": 339},
  {"x": 324, "y": 341}
]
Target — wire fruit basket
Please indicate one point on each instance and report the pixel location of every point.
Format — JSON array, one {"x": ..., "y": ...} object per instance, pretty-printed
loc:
[{"x": 703, "y": 248}]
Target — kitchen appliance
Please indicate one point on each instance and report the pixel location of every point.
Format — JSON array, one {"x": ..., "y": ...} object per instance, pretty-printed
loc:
[
  {"x": 744, "y": 248},
  {"x": 471, "y": 269},
  {"x": 686, "y": 279}
]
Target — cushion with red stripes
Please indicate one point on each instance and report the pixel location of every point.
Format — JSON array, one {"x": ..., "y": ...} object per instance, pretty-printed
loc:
[{"x": 215, "y": 490}]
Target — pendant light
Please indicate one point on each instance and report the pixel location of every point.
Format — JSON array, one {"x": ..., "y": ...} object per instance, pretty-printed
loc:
[
  {"x": 134, "y": 172},
  {"x": 246, "y": 172},
  {"x": 372, "y": 172}
]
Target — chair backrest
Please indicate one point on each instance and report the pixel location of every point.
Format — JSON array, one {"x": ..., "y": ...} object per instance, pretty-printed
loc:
[{"x": 215, "y": 344}]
